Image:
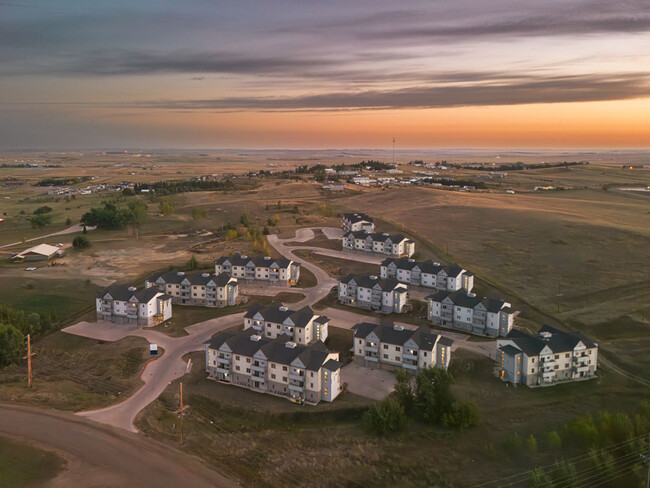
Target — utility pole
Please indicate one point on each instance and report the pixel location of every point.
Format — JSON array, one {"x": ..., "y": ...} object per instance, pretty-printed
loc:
[
  {"x": 393, "y": 151},
  {"x": 181, "y": 412},
  {"x": 29, "y": 361}
]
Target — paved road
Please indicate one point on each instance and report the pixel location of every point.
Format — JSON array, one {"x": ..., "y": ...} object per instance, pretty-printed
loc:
[
  {"x": 70, "y": 230},
  {"x": 103, "y": 456},
  {"x": 159, "y": 373}
]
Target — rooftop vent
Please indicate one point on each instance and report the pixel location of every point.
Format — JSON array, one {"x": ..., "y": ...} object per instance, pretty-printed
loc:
[
  {"x": 205, "y": 275},
  {"x": 398, "y": 327},
  {"x": 411, "y": 260},
  {"x": 244, "y": 256},
  {"x": 283, "y": 308},
  {"x": 373, "y": 277},
  {"x": 385, "y": 234},
  {"x": 436, "y": 263},
  {"x": 545, "y": 335},
  {"x": 256, "y": 338},
  {"x": 471, "y": 295},
  {"x": 180, "y": 273},
  {"x": 268, "y": 258},
  {"x": 290, "y": 345},
  {"x": 132, "y": 288}
]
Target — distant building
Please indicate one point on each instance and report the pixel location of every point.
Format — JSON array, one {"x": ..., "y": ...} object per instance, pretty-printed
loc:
[
  {"x": 428, "y": 274},
  {"x": 632, "y": 166},
  {"x": 275, "y": 366},
  {"x": 394, "y": 245},
  {"x": 354, "y": 222},
  {"x": 42, "y": 252},
  {"x": 469, "y": 313},
  {"x": 301, "y": 326},
  {"x": 14, "y": 183},
  {"x": 550, "y": 357},
  {"x": 202, "y": 289},
  {"x": 127, "y": 305},
  {"x": 275, "y": 271},
  {"x": 394, "y": 346},
  {"x": 373, "y": 293},
  {"x": 362, "y": 180},
  {"x": 333, "y": 187}
]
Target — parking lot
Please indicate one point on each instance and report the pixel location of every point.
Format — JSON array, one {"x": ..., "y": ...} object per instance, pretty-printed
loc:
[{"x": 371, "y": 383}]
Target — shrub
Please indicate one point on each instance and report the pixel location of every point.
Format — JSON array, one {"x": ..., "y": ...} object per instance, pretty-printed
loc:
[
  {"x": 80, "y": 242},
  {"x": 463, "y": 415},
  {"x": 42, "y": 210},
  {"x": 553, "y": 440},
  {"x": 385, "y": 417},
  {"x": 11, "y": 344}
]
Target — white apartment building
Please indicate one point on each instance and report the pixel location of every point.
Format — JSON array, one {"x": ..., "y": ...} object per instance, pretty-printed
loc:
[
  {"x": 301, "y": 326},
  {"x": 469, "y": 313},
  {"x": 394, "y": 346},
  {"x": 128, "y": 305},
  {"x": 276, "y": 366},
  {"x": 394, "y": 245},
  {"x": 201, "y": 289},
  {"x": 550, "y": 357},
  {"x": 428, "y": 274},
  {"x": 353, "y": 222},
  {"x": 373, "y": 293},
  {"x": 280, "y": 271}
]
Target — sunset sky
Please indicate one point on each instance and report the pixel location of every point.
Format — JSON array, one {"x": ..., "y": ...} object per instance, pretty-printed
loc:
[{"x": 324, "y": 74}]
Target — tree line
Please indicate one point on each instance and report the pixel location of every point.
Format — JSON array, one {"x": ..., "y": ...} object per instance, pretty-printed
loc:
[
  {"x": 14, "y": 327},
  {"x": 181, "y": 186}
]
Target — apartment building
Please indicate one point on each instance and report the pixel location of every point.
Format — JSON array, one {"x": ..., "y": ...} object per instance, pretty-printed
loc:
[
  {"x": 301, "y": 326},
  {"x": 280, "y": 271},
  {"x": 276, "y": 366},
  {"x": 469, "y": 313},
  {"x": 394, "y": 245},
  {"x": 385, "y": 295},
  {"x": 353, "y": 222},
  {"x": 550, "y": 357},
  {"x": 201, "y": 289},
  {"x": 397, "y": 347},
  {"x": 428, "y": 274},
  {"x": 128, "y": 305}
]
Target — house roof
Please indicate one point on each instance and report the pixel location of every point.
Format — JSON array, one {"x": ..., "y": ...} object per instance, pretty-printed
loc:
[
  {"x": 42, "y": 249},
  {"x": 556, "y": 340},
  {"x": 376, "y": 236},
  {"x": 124, "y": 294},
  {"x": 390, "y": 334},
  {"x": 275, "y": 350},
  {"x": 177, "y": 277},
  {"x": 258, "y": 261},
  {"x": 429, "y": 267},
  {"x": 510, "y": 350},
  {"x": 278, "y": 313},
  {"x": 470, "y": 300},
  {"x": 370, "y": 281},
  {"x": 353, "y": 218},
  {"x": 333, "y": 365}
]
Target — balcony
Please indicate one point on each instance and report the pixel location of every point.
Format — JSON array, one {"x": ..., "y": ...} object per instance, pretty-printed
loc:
[
  {"x": 581, "y": 369},
  {"x": 410, "y": 366},
  {"x": 258, "y": 377},
  {"x": 223, "y": 370},
  {"x": 221, "y": 360},
  {"x": 408, "y": 355},
  {"x": 296, "y": 387},
  {"x": 296, "y": 377},
  {"x": 258, "y": 368},
  {"x": 374, "y": 349}
]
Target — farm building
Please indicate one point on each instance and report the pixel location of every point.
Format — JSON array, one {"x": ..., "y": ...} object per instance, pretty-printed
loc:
[{"x": 42, "y": 252}]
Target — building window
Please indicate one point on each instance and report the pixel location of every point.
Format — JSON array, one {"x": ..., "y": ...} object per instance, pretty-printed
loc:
[
  {"x": 248, "y": 370},
  {"x": 385, "y": 356},
  {"x": 566, "y": 355},
  {"x": 284, "y": 378},
  {"x": 284, "y": 368},
  {"x": 237, "y": 358},
  {"x": 273, "y": 366},
  {"x": 237, "y": 368},
  {"x": 272, "y": 376},
  {"x": 425, "y": 354},
  {"x": 398, "y": 349},
  {"x": 248, "y": 360}
]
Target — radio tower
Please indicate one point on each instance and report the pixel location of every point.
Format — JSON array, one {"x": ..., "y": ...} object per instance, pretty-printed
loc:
[{"x": 393, "y": 151}]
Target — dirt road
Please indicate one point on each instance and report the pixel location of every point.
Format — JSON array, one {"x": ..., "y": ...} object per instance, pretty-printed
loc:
[{"x": 103, "y": 456}]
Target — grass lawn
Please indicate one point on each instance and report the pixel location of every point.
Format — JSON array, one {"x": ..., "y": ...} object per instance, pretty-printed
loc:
[
  {"x": 23, "y": 465},
  {"x": 307, "y": 279},
  {"x": 338, "y": 267}
]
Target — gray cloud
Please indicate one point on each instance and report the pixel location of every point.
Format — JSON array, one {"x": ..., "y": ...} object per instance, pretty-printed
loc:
[{"x": 516, "y": 90}]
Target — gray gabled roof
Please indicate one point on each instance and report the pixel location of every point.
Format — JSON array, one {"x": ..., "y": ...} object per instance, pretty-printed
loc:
[
  {"x": 278, "y": 313},
  {"x": 202, "y": 279},
  {"x": 122, "y": 293},
  {"x": 353, "y": 218},
  {"x": 275, "y": 350},
  {"x": 469, "y": 300},
  {"x": 258, "y": 261},
  {"x": 376, "y": 236},
  {"x": 510, "y": 350},
  {"x": 370, "y": 281},
  {"x": 389, "y": 334},
  {"x": 333, "y": 365},
  {"x": 558, "y": 341}
]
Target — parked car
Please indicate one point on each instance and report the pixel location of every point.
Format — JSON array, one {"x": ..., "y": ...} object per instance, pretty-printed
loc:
[{"x": 30, "y": 268}]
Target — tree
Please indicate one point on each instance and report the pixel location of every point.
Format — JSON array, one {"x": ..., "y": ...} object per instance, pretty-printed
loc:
[
  {"x": 11, "y": 344},
  {"x": 531, "y": 444},
  {"x": 279, "y": 204},
  {"x": 80, "y": 242},
  {"x": 39, "y": 221},
  {"x": 403, "y": 390},
  {"x": 244, "y": 219},
  {"x": 42, "y": 210},
  {"x": 166, "y": 206},
  {"x": 554, "y": 440},
  {"x": 192, "y": 264},
  {"x": 128, "y": 192},
  {"x": 68, "y": 221},
  {"x": 463, "y": 415},
  {"x": 433, "y": 397},
  {"x": 265, "y": 231},
  {"x": 385, "y": 417}
]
